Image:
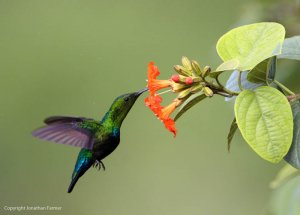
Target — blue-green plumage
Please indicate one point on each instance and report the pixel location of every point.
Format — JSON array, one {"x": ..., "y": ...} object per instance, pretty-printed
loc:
[
  {"x": 85, "y": 157},
  {"x": 97, "y": 139},
  {"x": 84, "y": 161}
]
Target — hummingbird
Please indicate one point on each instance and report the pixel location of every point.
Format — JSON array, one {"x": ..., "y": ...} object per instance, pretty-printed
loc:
[{"x": 97, "y": 139}]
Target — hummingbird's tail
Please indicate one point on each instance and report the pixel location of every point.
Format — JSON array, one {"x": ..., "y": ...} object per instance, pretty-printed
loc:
[
  {"x": 84, "y": 161},
  {"x": 73, "y": 182}
]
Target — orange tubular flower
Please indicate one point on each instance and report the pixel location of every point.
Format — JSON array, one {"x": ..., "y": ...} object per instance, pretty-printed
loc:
[
  {"x": 190, "y": 79},
  {"x": 170, "y": 125},
  {"x": 154, "y": 84},
  {"x": 168, "y": 110},
  {"x": 165, "y": 116},
  {"x": 154, "y": 100}
]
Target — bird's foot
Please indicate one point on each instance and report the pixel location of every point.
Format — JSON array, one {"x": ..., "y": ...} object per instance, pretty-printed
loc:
[{"x": 99, "y": 165}]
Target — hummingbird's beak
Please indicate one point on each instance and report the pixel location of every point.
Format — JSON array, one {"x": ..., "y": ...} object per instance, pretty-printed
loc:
[{"x": 141, "y": 91}]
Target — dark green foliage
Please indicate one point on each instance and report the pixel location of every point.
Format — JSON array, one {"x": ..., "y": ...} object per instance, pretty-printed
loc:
[
  {"x": 293, "y": 156},
  {"x": 231, "y": 133}
]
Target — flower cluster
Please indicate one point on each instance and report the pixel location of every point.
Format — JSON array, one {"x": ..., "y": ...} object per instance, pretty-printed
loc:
[{"x": 189, "y": 80}]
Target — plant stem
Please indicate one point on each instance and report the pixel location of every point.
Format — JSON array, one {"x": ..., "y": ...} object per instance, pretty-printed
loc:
[
  {"x": 293, "y": 98},
  {"x": 232, "y": 93},
  {"x": 240, "y": 81},
  {"x": 164, "y": 92},
  {"x": 287, "y": 90},
  {"x": 223, "y": 94},
  {"x": 222, "y": 89}
]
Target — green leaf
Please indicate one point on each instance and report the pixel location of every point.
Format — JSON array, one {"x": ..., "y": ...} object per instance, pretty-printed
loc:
[
  {"x": 264, "y": 72},
  {"x": 265, "y": 119},
  {"x": 231, "y": 133},
  {"x": 291, "y": 48},
  {"x": 259, "y": 73},
  {"x": 293, "y": 156},
  {"x": 215, "y": 74},
  {"x": 228, "y": 65},
  {"x": 251, "y": 44},
  {"x": 188, "y": 104}
]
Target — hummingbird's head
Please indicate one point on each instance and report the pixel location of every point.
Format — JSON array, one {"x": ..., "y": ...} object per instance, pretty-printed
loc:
[
  {"x": 124, "y": 102},
  {"x": 122, "y": 105}
]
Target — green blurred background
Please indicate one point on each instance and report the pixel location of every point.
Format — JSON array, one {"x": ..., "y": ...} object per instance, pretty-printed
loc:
[{"x": 60, "y": 57}]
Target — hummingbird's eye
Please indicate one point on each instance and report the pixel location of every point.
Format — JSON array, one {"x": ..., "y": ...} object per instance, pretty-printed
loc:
[{"x": 126, "y": 99}]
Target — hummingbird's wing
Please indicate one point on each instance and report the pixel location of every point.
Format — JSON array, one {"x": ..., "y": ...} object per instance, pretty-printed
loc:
[
  {"x": 68, "y": 130},
  {"x": 64, "y": 119}
]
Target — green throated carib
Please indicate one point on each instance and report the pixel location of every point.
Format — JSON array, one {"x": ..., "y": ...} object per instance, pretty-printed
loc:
[{"x": 96, "y": 138}]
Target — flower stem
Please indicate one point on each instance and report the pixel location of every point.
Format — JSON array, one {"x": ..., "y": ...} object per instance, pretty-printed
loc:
[
  {"x": 287, "y": 90},
  {"x": 232, "y": 93},
  {"x": 222, "y": 89},
  {"x": 164, "y": 92},
  {"x": 223, "y": 94}
]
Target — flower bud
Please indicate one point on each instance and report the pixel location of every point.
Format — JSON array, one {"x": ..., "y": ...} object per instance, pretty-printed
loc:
[
  {"x": 196, "y": 67},
  {"x": 183, "y": 94},
  {"x": 197, "y": 79},
  {"x": 182, "y": 70},
  {"x": 208, "y": 92},
  {"x": 177, "y": 87},
  {"x": 189, "y": 81},
  {"x": 181, "y": 78},
  {"x": 196, "y": 88},
  {"x": 186, "y": 63},
  {"x": 175, "y": 78},
  {"x": 206, "y": 71}
]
